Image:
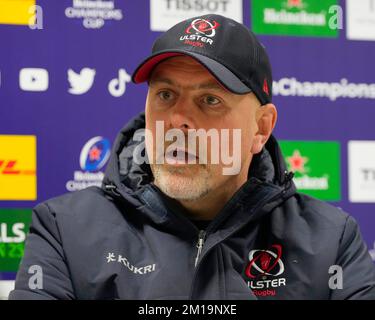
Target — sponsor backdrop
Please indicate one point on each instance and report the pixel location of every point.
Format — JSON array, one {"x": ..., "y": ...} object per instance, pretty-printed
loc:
[{"x": 65, "y": 92}]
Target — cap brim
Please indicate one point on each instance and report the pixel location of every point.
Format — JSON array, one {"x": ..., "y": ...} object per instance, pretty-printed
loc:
[{"x": 222, "y": 74}]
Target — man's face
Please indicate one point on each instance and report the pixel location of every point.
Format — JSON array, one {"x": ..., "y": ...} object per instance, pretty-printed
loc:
[{"x": 185, "y": 96}]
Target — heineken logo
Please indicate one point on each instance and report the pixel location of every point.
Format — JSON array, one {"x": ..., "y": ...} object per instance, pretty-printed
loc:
[
  {"x": 316, "y": 165},
  {"x": 297, "y": 17},
  {"x": 300, "y": 17},
  {"x": 296, "y": 163}
]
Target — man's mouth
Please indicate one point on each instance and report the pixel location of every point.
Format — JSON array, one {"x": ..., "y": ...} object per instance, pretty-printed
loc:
[{"x": 180, "y": 156}]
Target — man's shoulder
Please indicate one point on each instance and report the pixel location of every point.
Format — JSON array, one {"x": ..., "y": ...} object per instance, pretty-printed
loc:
[
  {"x": 84, "y": 196},
  {"x": 320, "y": 213},
  {"x": 90, "y": 203}
]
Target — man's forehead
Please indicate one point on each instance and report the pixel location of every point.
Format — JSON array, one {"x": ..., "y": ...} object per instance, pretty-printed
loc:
[
  {"x": 173, "y": 70},
  {"x": 181, "y": 60}
]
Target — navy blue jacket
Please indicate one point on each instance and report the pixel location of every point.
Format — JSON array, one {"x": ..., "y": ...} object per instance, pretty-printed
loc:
[{"x": 127, "y": 240}]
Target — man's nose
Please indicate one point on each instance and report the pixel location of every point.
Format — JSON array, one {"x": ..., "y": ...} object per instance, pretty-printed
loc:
[{"x": 182, "y": 115}]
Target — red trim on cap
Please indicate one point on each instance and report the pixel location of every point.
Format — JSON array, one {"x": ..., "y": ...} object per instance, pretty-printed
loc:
[
  {"x": 144, "y": 71},
  {"x": 265, "y": 87}
]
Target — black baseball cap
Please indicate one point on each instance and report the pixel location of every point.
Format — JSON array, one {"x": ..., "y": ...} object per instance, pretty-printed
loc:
[{"x": 229, "y": 50}]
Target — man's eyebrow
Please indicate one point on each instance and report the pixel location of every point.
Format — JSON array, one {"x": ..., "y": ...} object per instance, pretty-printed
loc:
[{"x": 205, "y": 85}]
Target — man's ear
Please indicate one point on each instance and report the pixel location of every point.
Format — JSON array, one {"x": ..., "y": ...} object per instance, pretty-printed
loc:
[{"x": 266, "y": 119}]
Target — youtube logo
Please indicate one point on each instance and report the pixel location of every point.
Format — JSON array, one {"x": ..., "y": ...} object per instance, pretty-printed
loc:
[{"x": 33, "y": 79}]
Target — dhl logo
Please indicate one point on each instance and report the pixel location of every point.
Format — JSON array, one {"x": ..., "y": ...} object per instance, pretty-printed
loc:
[
  {"x": 10, "y": 167},
  {"x": 18, "y": 167}
]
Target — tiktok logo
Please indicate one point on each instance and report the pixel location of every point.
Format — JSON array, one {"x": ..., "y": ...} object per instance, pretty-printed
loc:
[{"x": 117, "y": 86}]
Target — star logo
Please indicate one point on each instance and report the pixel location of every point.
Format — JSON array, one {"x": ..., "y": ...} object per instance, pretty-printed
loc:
[
  {"x": 295, "y": 4},
  {"x": 95, "y": 153},
  {"x": 297, "y": 162}
]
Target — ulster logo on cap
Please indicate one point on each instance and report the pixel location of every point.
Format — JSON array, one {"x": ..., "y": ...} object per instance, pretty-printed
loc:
[
  {"x": 199, "y": 32},
  {"x": 203, "y": 26}
]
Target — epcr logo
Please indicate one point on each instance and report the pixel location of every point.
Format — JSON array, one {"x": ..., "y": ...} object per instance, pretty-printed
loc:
[
  {"x": 95, "y": 154},
  {"x": 265, "y": 262},
  {"x": 203, "y": 26}
]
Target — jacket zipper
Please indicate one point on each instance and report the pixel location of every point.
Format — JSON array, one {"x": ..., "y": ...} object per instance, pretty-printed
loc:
[
  {"x": 200, "y": 243},
  {"x": 202, "y": 233}
]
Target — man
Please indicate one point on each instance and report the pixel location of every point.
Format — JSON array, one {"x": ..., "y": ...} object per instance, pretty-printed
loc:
[{"x": 187, "y": 223}]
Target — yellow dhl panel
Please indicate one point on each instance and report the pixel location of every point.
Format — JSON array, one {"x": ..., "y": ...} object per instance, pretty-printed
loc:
[
  {"x": 17, "y": 12},
  {"x": 18, "y": 179}
]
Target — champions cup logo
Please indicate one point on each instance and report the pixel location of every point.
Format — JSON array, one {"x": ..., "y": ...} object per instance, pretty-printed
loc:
[
  {"x": 200, "y": 31},
  {"x": 95, "y": 154},
  {"x": 265, "y": 263}
]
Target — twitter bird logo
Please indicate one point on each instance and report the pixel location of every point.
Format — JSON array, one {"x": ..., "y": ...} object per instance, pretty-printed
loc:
[{"x": 81, "y": 82}]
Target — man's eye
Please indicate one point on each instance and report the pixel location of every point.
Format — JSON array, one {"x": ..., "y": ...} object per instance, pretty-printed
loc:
[
  {"x": 211, "y": 100},
  {"x": 165, "y": 95}
]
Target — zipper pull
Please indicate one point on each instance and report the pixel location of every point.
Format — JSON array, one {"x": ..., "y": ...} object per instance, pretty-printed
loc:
[
  {"x": 289, "y": 176},
  {"x": 287, "y": 180},
  {"x": 200, "y": 244},
  {"x": 112, "y": 188}
]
